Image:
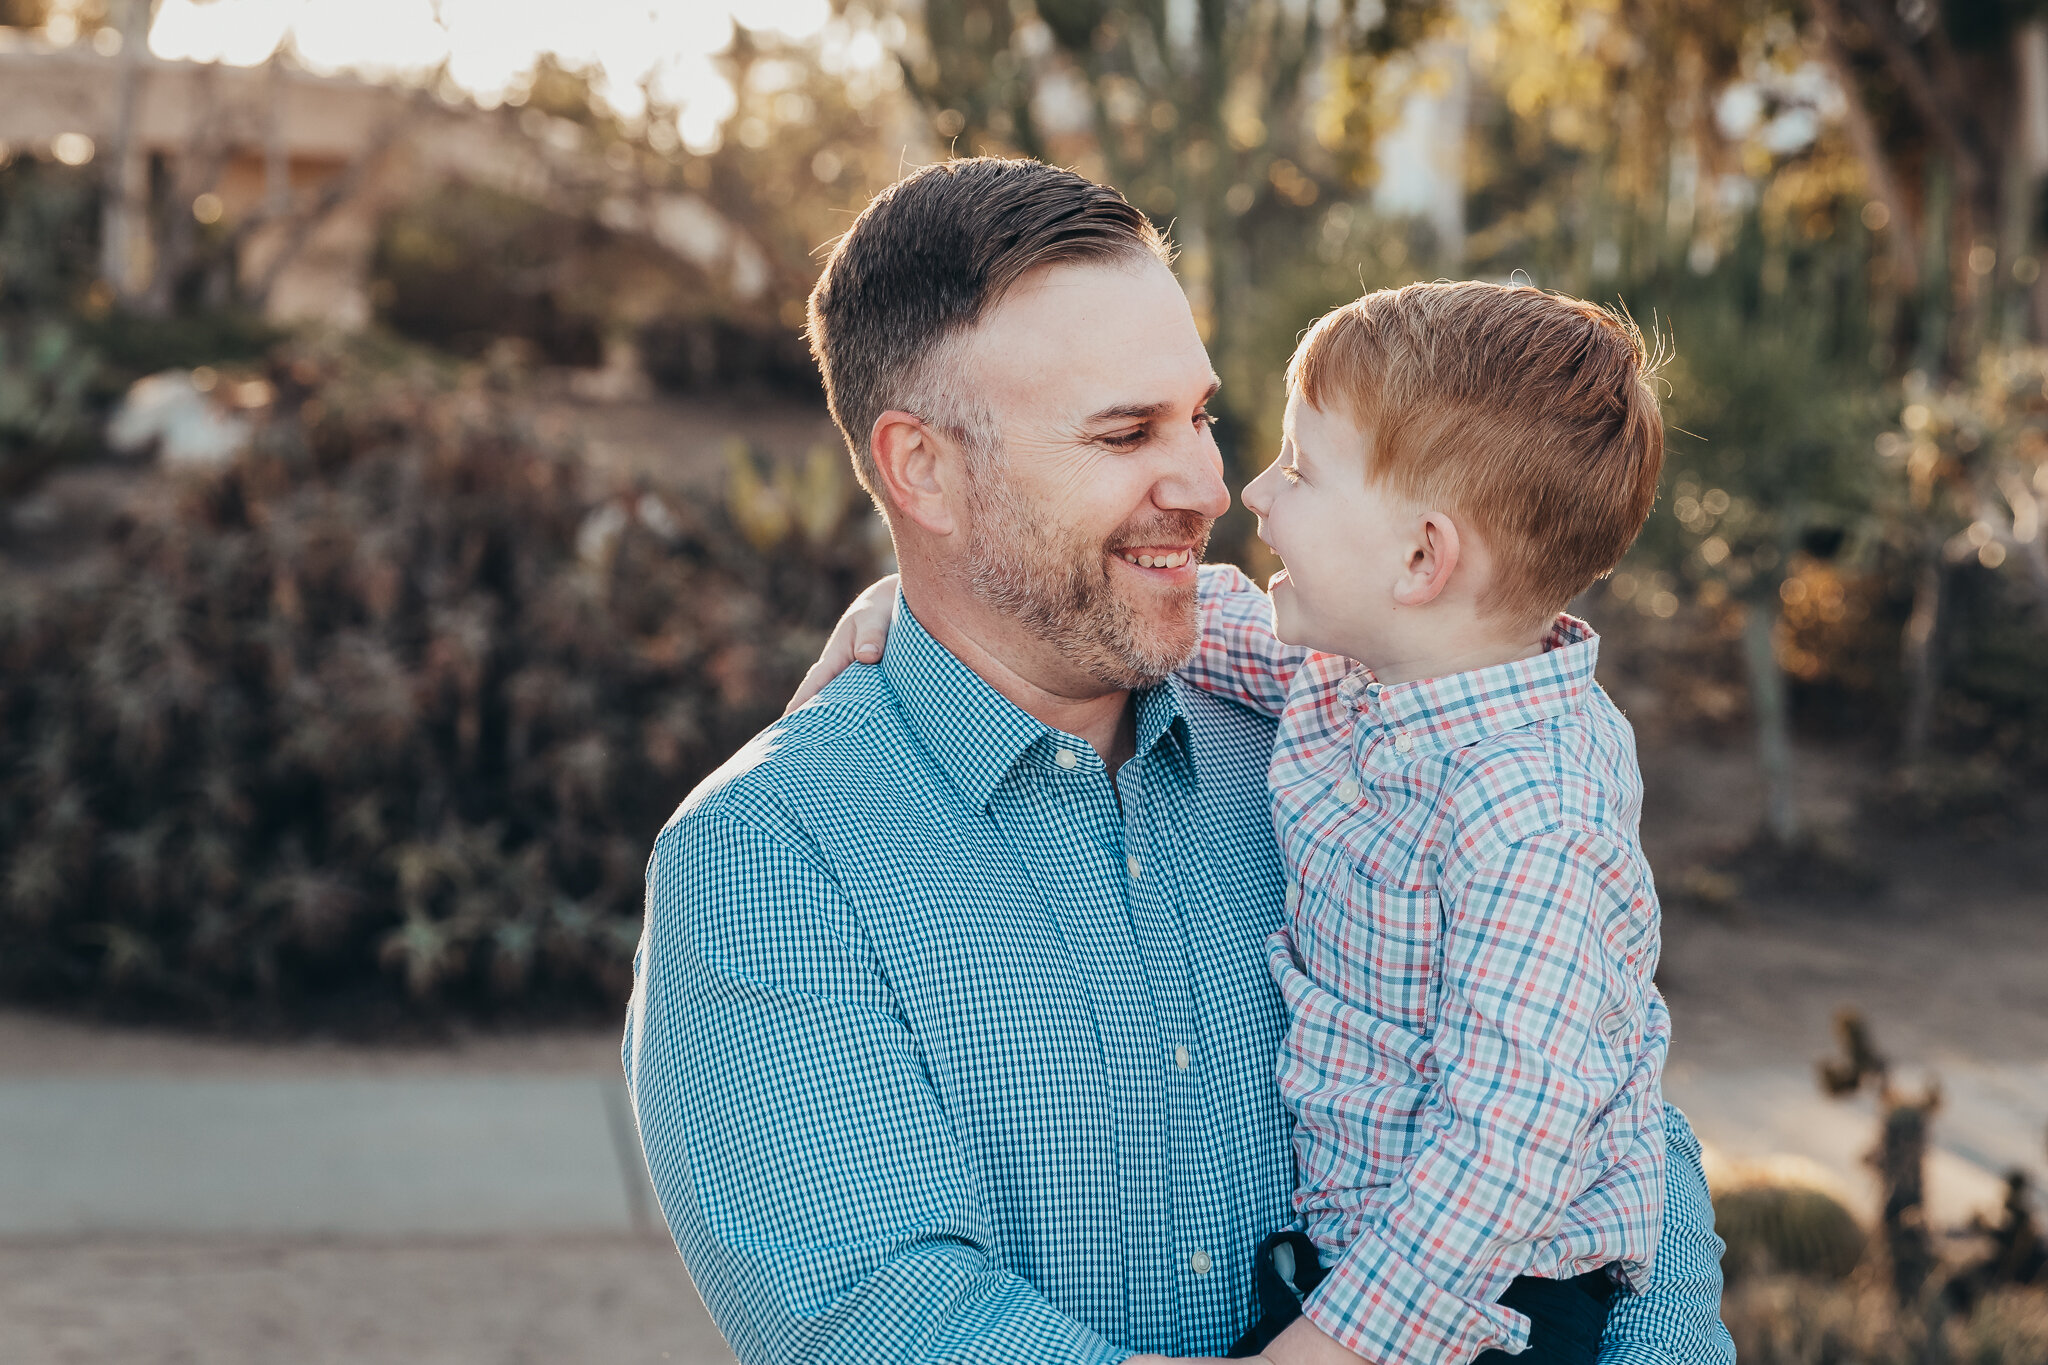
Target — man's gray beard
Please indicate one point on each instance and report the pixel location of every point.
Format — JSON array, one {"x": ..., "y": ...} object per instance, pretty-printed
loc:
[{"x": 1057, "y": 585}]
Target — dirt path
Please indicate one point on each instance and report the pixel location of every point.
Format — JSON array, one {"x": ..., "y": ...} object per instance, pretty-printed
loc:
[{"x": 615, "y": 1301}]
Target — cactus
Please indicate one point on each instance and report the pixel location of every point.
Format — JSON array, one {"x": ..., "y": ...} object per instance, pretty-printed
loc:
[
  {"x": 1787, "y": 1229},
  {"x": 2018, "y": 1254},
  {"x": 1900, "y": 1157}
]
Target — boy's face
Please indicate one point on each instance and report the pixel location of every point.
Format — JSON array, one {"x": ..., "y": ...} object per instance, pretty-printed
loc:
[{"x": 1345, "y": 540}]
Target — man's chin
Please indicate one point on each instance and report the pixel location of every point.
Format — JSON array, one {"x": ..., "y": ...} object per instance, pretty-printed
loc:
[{"x": 1160, "y": 642}]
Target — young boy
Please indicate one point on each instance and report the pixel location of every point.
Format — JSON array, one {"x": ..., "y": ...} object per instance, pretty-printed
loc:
[{"x": 1475, "y": 1046}]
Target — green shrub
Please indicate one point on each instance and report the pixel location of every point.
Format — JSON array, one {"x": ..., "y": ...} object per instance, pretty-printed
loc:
[
  {"x": 379, "y": 723},
  {"x": 45, "y": 380}
]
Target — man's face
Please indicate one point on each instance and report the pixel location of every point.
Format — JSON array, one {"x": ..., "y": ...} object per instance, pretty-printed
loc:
[{"x": 1087, "y": 522}]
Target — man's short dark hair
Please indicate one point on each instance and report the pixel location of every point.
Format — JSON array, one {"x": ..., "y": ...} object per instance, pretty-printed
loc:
[{"x": 926, "y": 260}]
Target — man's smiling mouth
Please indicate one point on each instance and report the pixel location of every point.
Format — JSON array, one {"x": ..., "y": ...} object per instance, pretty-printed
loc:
[{"x": 1156, "y": 559}]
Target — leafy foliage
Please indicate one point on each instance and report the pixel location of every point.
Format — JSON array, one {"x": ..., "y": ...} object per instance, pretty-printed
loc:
[{"x": 379, "y": 722}]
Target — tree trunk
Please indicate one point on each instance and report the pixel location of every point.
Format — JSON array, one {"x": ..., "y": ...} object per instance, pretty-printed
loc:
[
  {"x": 2028, "y": 162},
  {"x": 1773, "y": 723},
  {"x": 124, "y": 198},
  {"x": 1922, "y": 659}
]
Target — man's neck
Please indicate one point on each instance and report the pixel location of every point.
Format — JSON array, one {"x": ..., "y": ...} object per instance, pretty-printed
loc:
[{"x": 1018, "y": 665}]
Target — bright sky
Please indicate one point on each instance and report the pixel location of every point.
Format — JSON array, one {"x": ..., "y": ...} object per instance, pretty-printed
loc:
[{"x": 488, "y": 43}]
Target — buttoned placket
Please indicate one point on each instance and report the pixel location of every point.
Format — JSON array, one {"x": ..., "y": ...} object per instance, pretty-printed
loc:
[
  {"x": 1152, "y": 789},
  {"x": 1071, "y": 835}
]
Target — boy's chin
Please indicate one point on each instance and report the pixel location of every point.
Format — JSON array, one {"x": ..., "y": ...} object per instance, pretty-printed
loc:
[{"x": 1287, "y": 625}]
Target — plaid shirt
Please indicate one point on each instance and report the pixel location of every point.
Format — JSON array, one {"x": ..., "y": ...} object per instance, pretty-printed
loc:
[
  {"x": 1475, "y": 1049},
  {"x": 941, "y": 1052}
]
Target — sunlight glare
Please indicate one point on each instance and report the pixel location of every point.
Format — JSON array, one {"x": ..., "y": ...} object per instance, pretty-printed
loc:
[{"x": 636, "y": 46}]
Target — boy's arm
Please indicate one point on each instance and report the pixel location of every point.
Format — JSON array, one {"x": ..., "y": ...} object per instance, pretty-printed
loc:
[
  {"x": 1237, "y": 655},
  {"x": 1524, "y": 1070},
  {"x": 1677, "y": 1320}
]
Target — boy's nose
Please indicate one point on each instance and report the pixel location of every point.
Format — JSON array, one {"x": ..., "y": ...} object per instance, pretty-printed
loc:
[{"x": 1257, "y": 493}]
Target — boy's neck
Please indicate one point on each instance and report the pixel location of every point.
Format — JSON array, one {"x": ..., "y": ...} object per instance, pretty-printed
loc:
[{"x": 1467, "y": 653}]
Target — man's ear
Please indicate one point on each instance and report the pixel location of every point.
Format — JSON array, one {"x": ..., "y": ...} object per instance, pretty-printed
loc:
[
  {"x": 1432, "y": 559},
  {"x": 918, "y": 469}
]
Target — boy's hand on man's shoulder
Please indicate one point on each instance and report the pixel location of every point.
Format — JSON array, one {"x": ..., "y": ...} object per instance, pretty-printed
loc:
[{"x": 858, "y": 638}]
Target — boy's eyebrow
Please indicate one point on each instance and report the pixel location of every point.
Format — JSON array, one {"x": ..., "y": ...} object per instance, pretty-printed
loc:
[{"x": 1139, "y": 412}]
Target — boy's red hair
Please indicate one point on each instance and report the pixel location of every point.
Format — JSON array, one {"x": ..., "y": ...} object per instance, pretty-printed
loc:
[{"x": 1528, "y": 414}]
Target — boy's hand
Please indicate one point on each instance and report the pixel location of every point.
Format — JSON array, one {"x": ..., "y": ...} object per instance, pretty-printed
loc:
[
  {"x": 858, "y": 638},
  {"x": 1303, "y": 1343}
]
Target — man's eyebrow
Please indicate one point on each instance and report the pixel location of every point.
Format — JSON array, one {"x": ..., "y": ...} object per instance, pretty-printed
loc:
[{"x": 1139, "y": 412}]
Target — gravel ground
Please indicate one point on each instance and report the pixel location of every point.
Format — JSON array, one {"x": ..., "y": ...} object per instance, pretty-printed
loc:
[{"x": 512, "y": 1302}]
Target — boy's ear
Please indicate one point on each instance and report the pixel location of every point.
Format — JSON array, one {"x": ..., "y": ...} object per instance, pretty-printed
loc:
[
  {"x": 918, "y": 468},
  {"x": 1432, "y": 559}
]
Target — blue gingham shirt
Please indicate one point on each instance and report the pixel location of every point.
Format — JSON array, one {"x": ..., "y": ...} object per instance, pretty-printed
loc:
[{"x": 939, "y": 1053}]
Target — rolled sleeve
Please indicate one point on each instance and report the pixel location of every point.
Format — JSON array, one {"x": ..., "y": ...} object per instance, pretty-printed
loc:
[
  {"x": 801, "y": 1157},
  {"x": 1676, "y": 1320}
]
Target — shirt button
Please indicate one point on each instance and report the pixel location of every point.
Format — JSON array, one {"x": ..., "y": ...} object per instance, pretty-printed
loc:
[
  {"x": 1294, "y": 896},
  {"x": 1181, "y": 1057},
  {"x": 1200, "y": 1262},
  {"x": 1347, "y": 791},
  {"x": 1135, "y": 867},
  {"x": 1065, "y": 758},
  {"x": 1404, "y": 744}
]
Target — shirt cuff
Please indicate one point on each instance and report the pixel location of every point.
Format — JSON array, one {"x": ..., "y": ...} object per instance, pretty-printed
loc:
[
  {"x": 1377, "y": 1304},
  {"x": 1636, "y": 1353}
]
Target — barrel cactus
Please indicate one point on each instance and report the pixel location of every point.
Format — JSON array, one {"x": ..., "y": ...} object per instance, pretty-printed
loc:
[{"x": 1787, "y": 1229}]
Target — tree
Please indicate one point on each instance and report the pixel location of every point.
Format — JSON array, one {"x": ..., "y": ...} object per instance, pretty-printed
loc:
[
  {"x": 1948, "y": 108},
  {"x": 1236, "y": 123}
]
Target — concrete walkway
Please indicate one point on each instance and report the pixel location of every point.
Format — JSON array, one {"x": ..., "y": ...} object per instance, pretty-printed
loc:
[
  {"x": 381, "y": 1156},
  {"x": 454, "y": 1155}
]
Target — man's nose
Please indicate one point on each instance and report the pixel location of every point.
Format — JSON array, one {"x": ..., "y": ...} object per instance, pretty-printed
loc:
[{"x": 1196, "y": 483}]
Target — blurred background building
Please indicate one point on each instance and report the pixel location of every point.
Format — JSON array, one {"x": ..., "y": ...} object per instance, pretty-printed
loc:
[{"x": 413, "y": 479}]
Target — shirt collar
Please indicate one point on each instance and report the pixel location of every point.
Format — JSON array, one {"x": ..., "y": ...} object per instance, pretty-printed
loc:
[
  {"x": 975, "y": 733},
  {"x": 1450, "y": 712}
]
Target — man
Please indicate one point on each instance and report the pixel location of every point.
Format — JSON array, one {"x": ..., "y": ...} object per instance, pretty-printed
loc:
[{"x": 952, "y": 1037}]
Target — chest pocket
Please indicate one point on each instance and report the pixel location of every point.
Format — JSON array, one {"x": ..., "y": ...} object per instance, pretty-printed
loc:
[{"x": 1394, "y": 939}]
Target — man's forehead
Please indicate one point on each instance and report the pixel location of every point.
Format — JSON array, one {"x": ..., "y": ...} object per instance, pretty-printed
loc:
[{"x": 1096, "y": 336}]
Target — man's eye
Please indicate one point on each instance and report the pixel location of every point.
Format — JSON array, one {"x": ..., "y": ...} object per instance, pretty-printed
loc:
[
  {"x": 1206, "y": 419},
  {"x": 1125, "y": 440}
]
